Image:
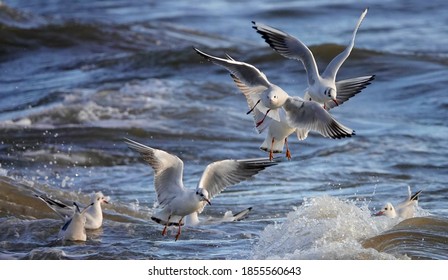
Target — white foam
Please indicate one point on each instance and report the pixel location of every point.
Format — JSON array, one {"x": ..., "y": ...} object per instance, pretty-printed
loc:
[{"x": 323, "y": 228}]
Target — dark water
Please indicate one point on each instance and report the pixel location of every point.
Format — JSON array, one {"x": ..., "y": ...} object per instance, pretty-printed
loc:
[{"x": 78, "y": 76}]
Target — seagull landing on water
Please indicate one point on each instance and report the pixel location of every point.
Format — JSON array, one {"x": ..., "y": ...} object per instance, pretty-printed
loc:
[
  {"x": 295, "y": 114},
  {"x": 404, "y": 210},
  {"x": 94, "y": 215},
  {"x": 321, "y": 88},
  {"x": 177, "y": 201},
  {"x": 74, "y": 228}
]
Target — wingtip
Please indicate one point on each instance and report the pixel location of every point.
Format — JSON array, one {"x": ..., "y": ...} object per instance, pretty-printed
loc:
[
  {"x": 76, "y": 207},
  {"x": 196, "y": 49}
]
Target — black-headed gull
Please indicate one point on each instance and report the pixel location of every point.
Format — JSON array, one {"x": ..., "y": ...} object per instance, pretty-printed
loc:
[
  {"x": 177, "y": 201},
  {"x": 94, "y": 215},
  {"x": 266, "y": 97},
  {"x": 404, "y": 210},
  {"x": 321, "y": 88},
  {"x": 74, "y": 228},
  {"x": 295, "y": 114}
]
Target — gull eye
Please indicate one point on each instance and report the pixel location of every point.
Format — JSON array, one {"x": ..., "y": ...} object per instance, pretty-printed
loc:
[{"x": 98, "y": 199}]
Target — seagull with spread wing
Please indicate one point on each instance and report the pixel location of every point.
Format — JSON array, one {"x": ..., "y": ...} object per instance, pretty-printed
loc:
[
  {"x": 294, "y": 114},
  {"x": 321, "y": 88},
  {"x": 175, "y": 200}
]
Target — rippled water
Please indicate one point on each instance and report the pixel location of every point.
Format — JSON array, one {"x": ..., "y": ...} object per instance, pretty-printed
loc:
[{"x": 77, "y": 77}]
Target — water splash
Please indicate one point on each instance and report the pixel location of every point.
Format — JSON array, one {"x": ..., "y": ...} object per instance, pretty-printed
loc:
[{"x": 323, "y": 228}]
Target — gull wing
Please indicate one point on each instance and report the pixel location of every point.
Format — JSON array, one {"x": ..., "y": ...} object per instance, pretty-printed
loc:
[
  {"x": 222, "y": 174},
  {"x": 168, "y": 170},
  {"x": 333, "y": 67},
  {"x": 62, "y": 209},
  {"x": 248, "y": 75},
  {"x": 311, "y": 116},
  {"x": 289, "y": 47},
  {"x": 248, "y": 93},
  {"x": 346, "y": 89}
]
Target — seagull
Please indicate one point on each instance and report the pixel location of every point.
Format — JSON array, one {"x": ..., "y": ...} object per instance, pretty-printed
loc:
[
  {"x": 193, "y": 218},
  {"x": 404, "y": 210},
  {"x": 321, "y": 88},
  {"x": 74, "y": 228},
  {"x": 175, "y": 200},
  {"x": 266, "y": 97},
  {"x": 296, "y": 114},
  {"x": 94, "y": 215}
]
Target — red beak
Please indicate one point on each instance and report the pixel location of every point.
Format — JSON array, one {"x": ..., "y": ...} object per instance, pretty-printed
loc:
[
  {"x": 335, "y": 101},
  {"x": 380, "y": 213}
]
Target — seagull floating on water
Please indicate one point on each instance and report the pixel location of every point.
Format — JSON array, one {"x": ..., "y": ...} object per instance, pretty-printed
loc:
[
  {"x": 404, "y": 210},
  {"x": 177, "y": 201},
  {"x": 74, "y": 228},
  {"x": 321, "y": 88},
  {"x": 94, "y": 215}
]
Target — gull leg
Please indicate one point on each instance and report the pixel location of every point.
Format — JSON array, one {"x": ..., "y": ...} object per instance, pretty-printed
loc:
[
  {"x": 271, "y": 153},
  {"x": 250, "y": 111},
  {"x": 178, "y": 231},
  {"x": 260, "y": 122},
  {"x": 288, "y": 153},
  {"x": 166, "y": 226}
]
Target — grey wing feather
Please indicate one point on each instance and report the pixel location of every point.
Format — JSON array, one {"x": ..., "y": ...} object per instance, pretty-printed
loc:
[
  {"x": 67, "y": 223},
  {"x": 221, "y": 174},
  {"x": 310, "y": 115},
  {"x": 248, "y": 92},
  {"x": 415, "y": 196},
  {"x": 346, "y": 89},
  {"x": 333, "y": 67},
  {"x": 289, "y": 47},
  {"x": 168, "y": 170},
  {"x": 62, "y": 209},
  {"x": 249, "y": 74}
]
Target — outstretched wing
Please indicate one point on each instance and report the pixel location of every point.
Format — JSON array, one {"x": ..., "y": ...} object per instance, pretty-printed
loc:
[
  {"x": 249, "y": 93},
  {"x": 346, "y": 89},
  {"x": 222, "y": 174},
  {"x": 168, "y": 170},
  {"x": 333, "y": 67},
  {"x": 309, "y": 115},
  {"x": 246, "y": 72},
  {"x": 62, "y": 209},
  {"x": 248, "y": 75},
  {"x": 289, "y": 47}
]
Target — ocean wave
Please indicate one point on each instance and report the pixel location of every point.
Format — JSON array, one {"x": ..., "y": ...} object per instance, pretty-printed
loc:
[
  {"x": 327, "y": 228},
  {"x": 418, "y": 238}
]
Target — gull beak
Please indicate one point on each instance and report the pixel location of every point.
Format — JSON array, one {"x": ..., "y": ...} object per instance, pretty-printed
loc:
[
  {"x": 106, "y": 199},
  {"x": 380, "y": 213},
  {"x": 208, "y": 201},
  {"x": 335, "y": 101}
]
